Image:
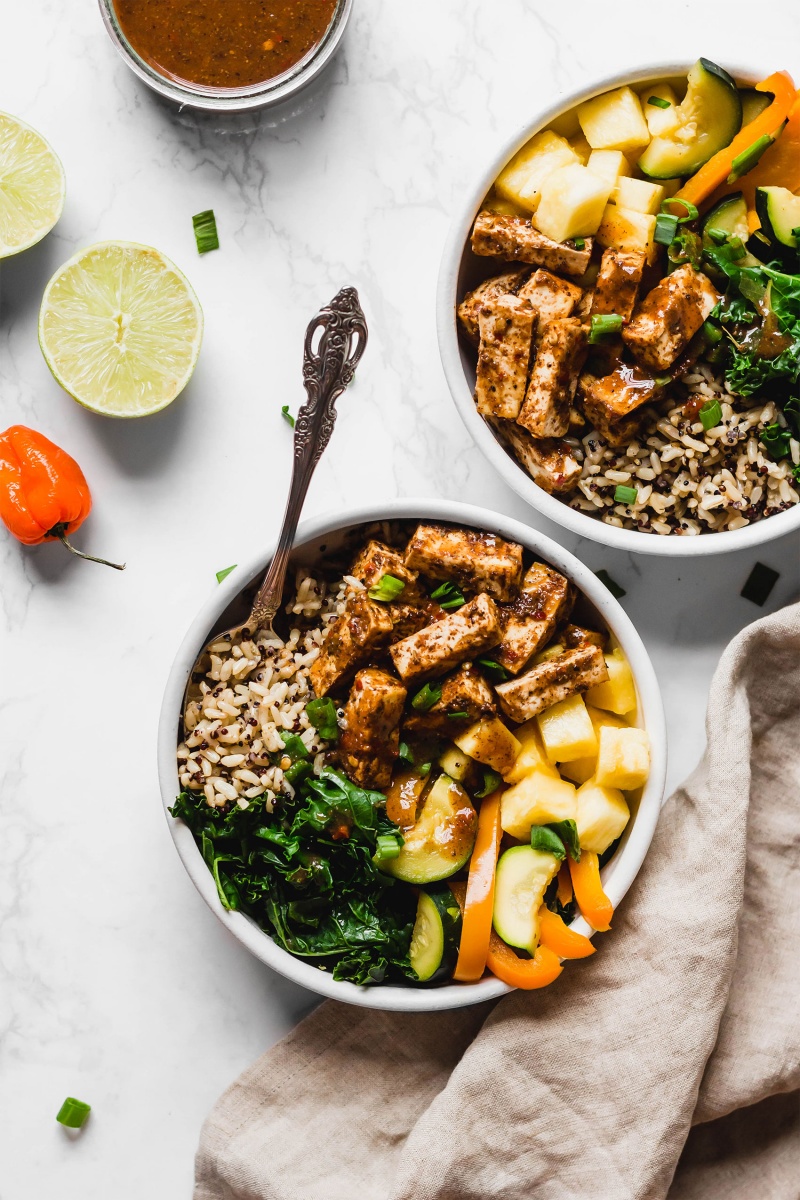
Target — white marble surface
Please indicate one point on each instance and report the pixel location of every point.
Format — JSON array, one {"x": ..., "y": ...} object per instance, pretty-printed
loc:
[{"x": 116, "y": 984}]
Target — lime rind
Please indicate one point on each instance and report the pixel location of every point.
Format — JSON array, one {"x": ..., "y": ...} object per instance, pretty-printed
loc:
[
  {"x": 32, "y": 186},
  {"x": 120, "y": 328}
]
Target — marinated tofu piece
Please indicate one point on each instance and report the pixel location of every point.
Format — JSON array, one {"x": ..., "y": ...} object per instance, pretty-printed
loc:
[
  {"x": 461, "y": 635},
  {"x": 550, "y": 463},
  {"x": 506, "y": 331},
  {"x": 545, "y": 601},
  {"x": 478, "y": 562},
  {"x": 377, "y": 560},
  {"x": 618, "y": 432},
  {"x": 560, "y": 350},
  {"x": 669, "y": 316},
  {"x": 466, "y": 696},
  {"x": 619, "y": 393},
  {"x": 514, "y": 238},
  {"x": 578, "y": 635},
  {"x": 584, "y": 309},
  {"x": 550, "y": 296},
  {"x": 485, "y": 293},
  {"x": 617, "y": 284},
  {"x": 410, "y": 618},
  {"x": 552, "y": 681},
  {"x": 369, "y": 742},
  {"x": 364, "y": 626}
]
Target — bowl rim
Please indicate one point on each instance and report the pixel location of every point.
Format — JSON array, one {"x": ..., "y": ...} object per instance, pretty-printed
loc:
[
  {"x": 618, "y": 875},
  {"x": 728, "y": 541}
]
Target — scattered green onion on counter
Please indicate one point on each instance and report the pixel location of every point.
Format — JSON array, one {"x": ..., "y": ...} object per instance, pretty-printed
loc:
[
  {"x": 426, "y": 697},
  {"x": 205, "y": 231},
  {"x": 225, "y": 572},
  {"x": 287, "y": 416},
  {"x": 73, "y": 1113},
  {"x": 448, "y": 596},
  {"x": 616, "y": 591},
  {"x": 387, "y": 588},
  {"x": 602, "y": 325},
  {"x": 625, "y": 495},
  {"x": 760, "y": 583}
]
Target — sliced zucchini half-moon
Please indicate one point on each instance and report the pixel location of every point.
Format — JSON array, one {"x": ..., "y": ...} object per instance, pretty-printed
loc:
[
  {"x": 710, "y": 117},
  {"x": 778, "y": 210},
  {"x": 436, "y": 936}
]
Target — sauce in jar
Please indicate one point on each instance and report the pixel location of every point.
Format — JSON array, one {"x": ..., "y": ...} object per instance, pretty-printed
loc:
[{"x": 223, "y": 43}]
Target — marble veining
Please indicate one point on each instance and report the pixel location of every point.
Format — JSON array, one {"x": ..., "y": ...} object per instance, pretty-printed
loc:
[{"x": 116, "y": 984}]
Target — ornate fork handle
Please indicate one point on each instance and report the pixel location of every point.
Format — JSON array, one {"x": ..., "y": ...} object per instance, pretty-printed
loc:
[{"x": 335, "y": 341}]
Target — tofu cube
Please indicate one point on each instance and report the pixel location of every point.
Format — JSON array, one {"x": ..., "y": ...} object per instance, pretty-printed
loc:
[
  {"x": 491, "y": 742},
  {"x": 572, "y": 202},
  {"x": 638, "y": 195},
  {"x": 520, "y": 181},
  {"x": 552, "y": 297},
  {"x": 609, "y": 164},
  {"x": 550, "y": 464},
  {"x": 614, "y": 121},
  {"x": 581, "y": 769},
  {"x": 559, "y": 352},
  {"x": 660, "y": 121},
  {"x": 618, "y": 693},
  {"x": 627, "y": 230},
  {"x": 602, "y": 816},
  {"x": 623, "y": 759},
  {"x": 506, "y": 331},
  {"x": 567, "y": 730},
  {"x": 538, "y": 799},
  {"x": 669, "y": 317},
  {"x": 532, "y": 755}
]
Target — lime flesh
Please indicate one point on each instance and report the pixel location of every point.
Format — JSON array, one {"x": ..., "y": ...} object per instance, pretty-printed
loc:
[{"x": 31, "y": 186}]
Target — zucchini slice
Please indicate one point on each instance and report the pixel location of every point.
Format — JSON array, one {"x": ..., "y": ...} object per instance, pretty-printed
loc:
[
  {"x": 441, "y": 839},
  {"x": 778, "y": 211},
  {"x": 523, "y": 875},
  {"x": 729, "y": 217},
  {"x": 753, "y": 103},
  {"x": 436, "y": 936},
  {"x": 710, "y": 117}
]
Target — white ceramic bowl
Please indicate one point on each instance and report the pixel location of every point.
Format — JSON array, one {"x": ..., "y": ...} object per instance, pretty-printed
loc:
[
  {"x": 617, "y": 875},
  {"x": 461, "y": 270}
]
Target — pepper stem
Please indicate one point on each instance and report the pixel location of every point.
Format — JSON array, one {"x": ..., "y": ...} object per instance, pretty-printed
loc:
[{"x": 89, "y": 557}]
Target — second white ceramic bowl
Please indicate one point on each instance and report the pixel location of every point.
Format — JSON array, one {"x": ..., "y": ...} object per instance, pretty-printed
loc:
[
  {"x": 328, "y": 532},
  {"x": 461, "y": 270}
]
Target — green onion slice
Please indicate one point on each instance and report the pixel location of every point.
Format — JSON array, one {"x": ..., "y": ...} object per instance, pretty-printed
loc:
[
  {"x": 658, "y": 102},
  {"x": 388, "y": 587},
  {"x": 719, "y": 236},
  {"x": 287, "y": 416},
  {"x": 322, "y": 715},
  {"x": 225, "y": 572},
  {"x": 491, "y": 782},
  {"x": 710, "y": 414},
  {"x": 73, "y": 1113},
  {"x": 448, "y": 596},
  {"x": 425, "y": 769},
  {"x": 712, "y": 333},
  {"x": 404, "y": 754},
  {"x": 625, "y": 495},
  {"x": 604, "y": 324},
  {"x": 666, "y": 228},
  {"x": 580, "y": 243},
  {"x": 458, "y": 716},
  {"x": 294, "y": 746},
  {"x": 692, "y": 211},
  {"x": 616, "y": 591},
  {"x": 388, "y": 845},
  {"x": 426, "y": 697},
  {"x": 495, "y": 669},
  {"x": 297, "y": 771},
  {"x": 745, "y": 161},
  {"x": 760, "y": 583},
  {"x": 545, "y": 839},
  {"x": 568, "y": 832},
  {"x": 205, "y": 231}
]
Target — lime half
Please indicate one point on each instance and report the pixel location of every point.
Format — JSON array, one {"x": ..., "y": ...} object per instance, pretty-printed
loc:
[
  {"x": 120, "y": 328},
  {"x": 31, "y": 186}
]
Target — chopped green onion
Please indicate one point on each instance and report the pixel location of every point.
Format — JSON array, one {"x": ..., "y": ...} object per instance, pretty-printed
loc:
[
  {"x": 297, "y": 771},
  {"x": 737, "y": 248},
  {"x": 425, "y": 769},
  {"x": 404, "y": 753},
  {"x": 294, "y": 746},
  {"x": 568, "y": 832},
  {"x": 494, "y": 668},
  {"x": 720, "y": 236},
  {"x": 711, "y": 332},
  {"x": 745, "y": 161},
  {"x": 616, "y": 591},
  {"x": 685, "y": 247},
  {"x": 388, "y": 587},
  {"x": 73, "y": 1113},
  {"x": 658, "y": 102},
  {"x": 775, "y": 440},
  {"x": 205, "y": 231},
  {"x": 760, "y": 583},
  {"x": 491, "y": 782},
  {"x": 322, "y": 715},
  {"x": 426, "y": 697},
  {"x": 388, "y": 845},
  {"x": 579, "y": 243},
  {"x": 458, "y": 716},
  {"x": 287, "y": 416},
  {"x": 625, "y": 495},
  {"x": 544, "y": 839},
  {"x": 692, "y": 211},
  {"x": 448, "y": 596},
  {"x": 225, "y": 572},
  {"x": 710, "y": 415},
  {"x": 796, "y": 233},
  {"x": 666, "y": 228},
  {"x": 602, "y": 325},
  {"x": 791, "y": 411}
]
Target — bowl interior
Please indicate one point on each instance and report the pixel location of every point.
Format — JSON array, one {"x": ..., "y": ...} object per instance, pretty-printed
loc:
[{"x": 230, "y": 604}]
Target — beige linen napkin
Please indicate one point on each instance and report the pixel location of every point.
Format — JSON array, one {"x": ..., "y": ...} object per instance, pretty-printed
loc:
[{"x": 589, "y": 1089}]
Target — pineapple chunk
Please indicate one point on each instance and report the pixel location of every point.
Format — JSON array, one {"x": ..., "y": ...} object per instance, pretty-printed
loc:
[
  {"x": 490, "y": 742},
  {"x": 581, "y": 147},
  {"x": 610, "y": 164},
  {"x": 567, "y": 730},
  {"x": 638, "y": 195},
  {"x": 660, "y": 121},
  {"x": 572, "y": 203},
  {"x": 627, "y": 230},
  {"x": 602, "y": 816},
  {"x": 532, "y": 756},
  {"x": 520, "y": 181},
  {"x": 537, "y": 799},
  {"x": 455, "y": 763},
  {"x": 581, "y": 769},
  {"x": 623, "y": 760},
  {"x": 506, "y": 208},
  {"x": 614, "y": 121},
  {"x": 618, "y": 693},
  {"x": 552, "y": 651}
]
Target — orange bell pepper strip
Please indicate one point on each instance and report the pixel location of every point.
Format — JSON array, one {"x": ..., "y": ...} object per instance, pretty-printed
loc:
[
  {"x": 594, "y": 904},
  {"x": 558, "y": 937},
  {"x": 564, "y": 891},
  {"x": 779, "y": 166},
  {"x": 716, "y": 171},
  {"x": 524, "y": 973},
  {"x": 476, "y": 927}
]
